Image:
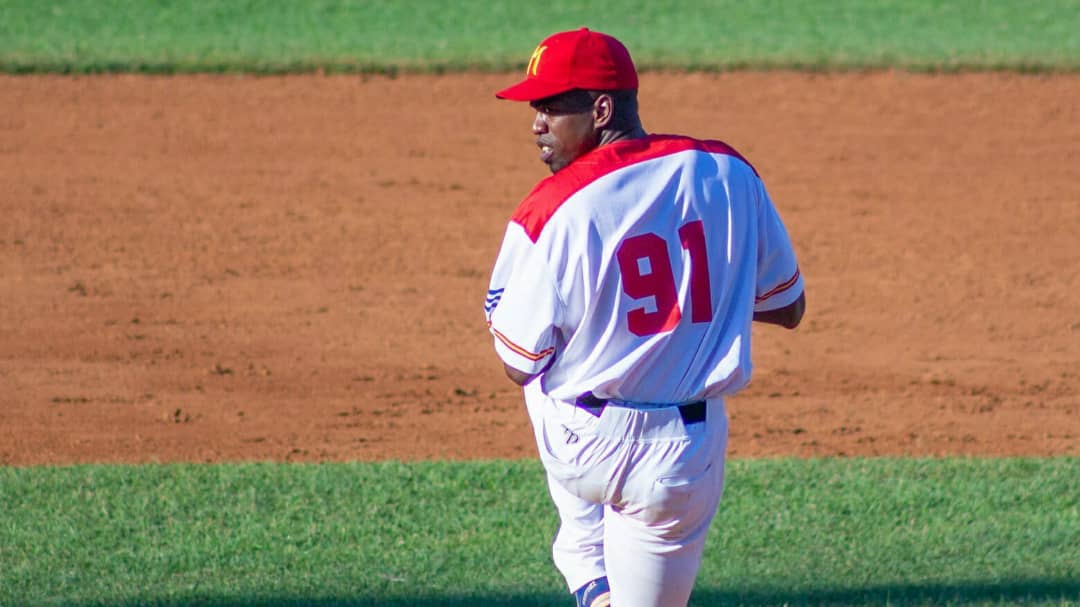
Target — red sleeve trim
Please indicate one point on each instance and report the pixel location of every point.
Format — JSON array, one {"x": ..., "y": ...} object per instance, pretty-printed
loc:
[
  {"x": 545, "y": 199},
  {"x": 784, "y": 286},
  {"x": 518, "y": 349}
]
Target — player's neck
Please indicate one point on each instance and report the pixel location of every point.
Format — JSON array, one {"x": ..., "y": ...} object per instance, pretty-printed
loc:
[{"x": 613, "y": 135}]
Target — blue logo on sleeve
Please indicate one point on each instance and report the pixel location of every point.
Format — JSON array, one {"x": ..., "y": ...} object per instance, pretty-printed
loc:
[{"x": 493, "y": 297}]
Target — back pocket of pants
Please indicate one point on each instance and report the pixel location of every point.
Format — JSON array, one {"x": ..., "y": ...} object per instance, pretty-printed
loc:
[{"x": 672, "y": 494}]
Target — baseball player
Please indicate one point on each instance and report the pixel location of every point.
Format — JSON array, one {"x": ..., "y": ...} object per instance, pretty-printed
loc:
[{"x": 622, "y": 299}]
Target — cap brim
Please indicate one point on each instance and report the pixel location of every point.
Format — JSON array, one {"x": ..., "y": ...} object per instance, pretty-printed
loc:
[{"x": 532, "y": 89}]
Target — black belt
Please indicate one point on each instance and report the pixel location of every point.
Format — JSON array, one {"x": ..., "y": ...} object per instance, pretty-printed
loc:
[{"x": 691, "y": 413}]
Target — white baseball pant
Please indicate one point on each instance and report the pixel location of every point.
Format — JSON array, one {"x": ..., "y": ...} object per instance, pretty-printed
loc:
[{"x": 636, "y": 492}]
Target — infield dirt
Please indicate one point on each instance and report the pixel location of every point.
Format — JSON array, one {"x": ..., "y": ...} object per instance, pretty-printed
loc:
[{"x": 223, "y": 268}]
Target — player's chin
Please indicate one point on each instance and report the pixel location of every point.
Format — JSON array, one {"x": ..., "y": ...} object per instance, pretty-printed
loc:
[
  {"x": 559, "y": 161},
  {"x": 555, "y": 165}
]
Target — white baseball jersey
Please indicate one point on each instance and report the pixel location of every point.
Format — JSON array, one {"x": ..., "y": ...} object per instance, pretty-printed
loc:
[{"x": 634, "y": 272}]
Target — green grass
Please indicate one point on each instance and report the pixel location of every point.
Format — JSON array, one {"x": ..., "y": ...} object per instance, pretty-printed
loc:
[
  {"x": 392, "y": 35},
  {"x": 796, "y": 532}
]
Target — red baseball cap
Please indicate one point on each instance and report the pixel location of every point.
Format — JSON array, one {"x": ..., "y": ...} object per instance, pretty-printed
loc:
[{"x": 578, "y": 59}]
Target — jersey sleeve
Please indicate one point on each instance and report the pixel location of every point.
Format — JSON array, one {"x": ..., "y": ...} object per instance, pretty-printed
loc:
[
  {"x": 523, "y": 307},
  {"x": 779, "y": 281}
]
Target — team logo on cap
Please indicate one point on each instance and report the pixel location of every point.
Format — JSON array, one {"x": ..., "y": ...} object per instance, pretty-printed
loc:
[{"x": 534, "y": 61}]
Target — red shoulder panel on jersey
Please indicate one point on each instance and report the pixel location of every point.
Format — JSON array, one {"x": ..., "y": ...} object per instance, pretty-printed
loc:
[{"x": 534, "y": 212}]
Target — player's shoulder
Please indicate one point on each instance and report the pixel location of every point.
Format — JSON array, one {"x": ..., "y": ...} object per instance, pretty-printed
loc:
[
  {"x": 709, "y": 146},
  {"x": 579, "y": 178}
]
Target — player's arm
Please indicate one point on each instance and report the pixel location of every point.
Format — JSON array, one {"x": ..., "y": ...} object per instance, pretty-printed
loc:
[
  {"x": 778, "y": 275},
  {"x": 788, "y": 317},
  {"x": 518, "y": 377},
  {"x": 523, "y": 307}
]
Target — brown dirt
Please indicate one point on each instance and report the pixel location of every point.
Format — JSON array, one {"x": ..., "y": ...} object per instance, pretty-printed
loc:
[{"x": 234, "y": 268}]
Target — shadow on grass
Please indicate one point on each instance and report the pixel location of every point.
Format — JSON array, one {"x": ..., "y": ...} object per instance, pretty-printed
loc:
[
  {"x": 1054, "y": 592},
  {"x": 900, "y": 595}
]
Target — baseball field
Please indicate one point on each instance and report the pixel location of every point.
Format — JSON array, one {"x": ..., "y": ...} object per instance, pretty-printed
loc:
[{"x": 244, "y": 248}]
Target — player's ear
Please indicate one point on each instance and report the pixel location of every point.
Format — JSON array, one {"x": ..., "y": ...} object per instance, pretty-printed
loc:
[{"x": 603, "y": 111}]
